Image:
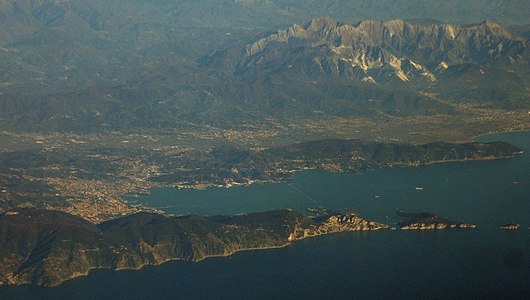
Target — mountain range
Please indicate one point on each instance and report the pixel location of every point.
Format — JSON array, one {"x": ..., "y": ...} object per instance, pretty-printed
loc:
[
  {"x": 130, "y": 65},
  {"x": 393, "y": 67},
  {"x": 99, "y": 99}
]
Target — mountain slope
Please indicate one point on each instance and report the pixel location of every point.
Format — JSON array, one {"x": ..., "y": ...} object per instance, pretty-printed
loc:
[
  {"x": 129, "y": 65},
  {"x": 369, "y": 64},
  {"x": 48, "y": 247}
]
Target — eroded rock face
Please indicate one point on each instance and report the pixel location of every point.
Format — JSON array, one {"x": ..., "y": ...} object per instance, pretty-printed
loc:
[
  {"x": 335, "y": 223},
  {"x": 49, "y": 247},
  {"x": 377, "y": 51}
]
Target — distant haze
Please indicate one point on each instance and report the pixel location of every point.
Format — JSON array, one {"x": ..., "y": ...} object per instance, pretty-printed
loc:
[{"x": 90, "y": 65}]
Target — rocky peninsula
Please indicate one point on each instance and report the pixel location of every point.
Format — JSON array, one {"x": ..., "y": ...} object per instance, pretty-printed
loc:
[{"x": 46, "y": 247}]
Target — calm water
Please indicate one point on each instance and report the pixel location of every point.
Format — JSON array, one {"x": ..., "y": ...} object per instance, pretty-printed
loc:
[{"x": 482, "y": 263}]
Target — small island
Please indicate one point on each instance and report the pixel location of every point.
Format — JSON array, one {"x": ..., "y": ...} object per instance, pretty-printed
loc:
[
  {"x": 511, "y": 226},
  {"x": 428, "y": 221}
]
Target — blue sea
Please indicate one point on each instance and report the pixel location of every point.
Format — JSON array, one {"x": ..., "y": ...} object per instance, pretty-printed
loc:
[{"x": 484, "y": 263}]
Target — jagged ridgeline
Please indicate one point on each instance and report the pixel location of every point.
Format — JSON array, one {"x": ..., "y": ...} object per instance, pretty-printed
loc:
[
  {"x": 90, "y": 66},
  {"x": 372, "y": 67}
]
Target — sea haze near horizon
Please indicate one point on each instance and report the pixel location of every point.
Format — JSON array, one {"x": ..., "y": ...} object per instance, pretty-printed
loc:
[{"x": 482, "y": 263}]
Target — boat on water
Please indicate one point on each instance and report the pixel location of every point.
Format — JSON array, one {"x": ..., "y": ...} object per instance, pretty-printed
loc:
[{"x": 419, "y": 188}]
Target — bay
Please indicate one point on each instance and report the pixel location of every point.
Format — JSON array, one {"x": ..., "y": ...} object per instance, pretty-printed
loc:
[{"x": 482, "y": 263}]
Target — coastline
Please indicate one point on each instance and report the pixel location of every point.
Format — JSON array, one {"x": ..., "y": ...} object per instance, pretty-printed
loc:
[
  {"x": 140, "y": 267},
  {"x": 334, "y": 224},
  {"x": 231, "y": 253},
  {"x": 475, "y": 138},
  {"x": 204, "y": 186}
]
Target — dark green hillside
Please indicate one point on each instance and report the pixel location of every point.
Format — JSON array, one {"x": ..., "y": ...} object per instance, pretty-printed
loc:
[{"x": 48, "y": 247}]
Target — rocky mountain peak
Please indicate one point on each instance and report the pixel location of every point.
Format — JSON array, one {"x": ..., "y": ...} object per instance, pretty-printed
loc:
[
  {"x": 379, "y": 33},
  {"x": 320, "y": 25},
  {"x": 377, "y": 51}
]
